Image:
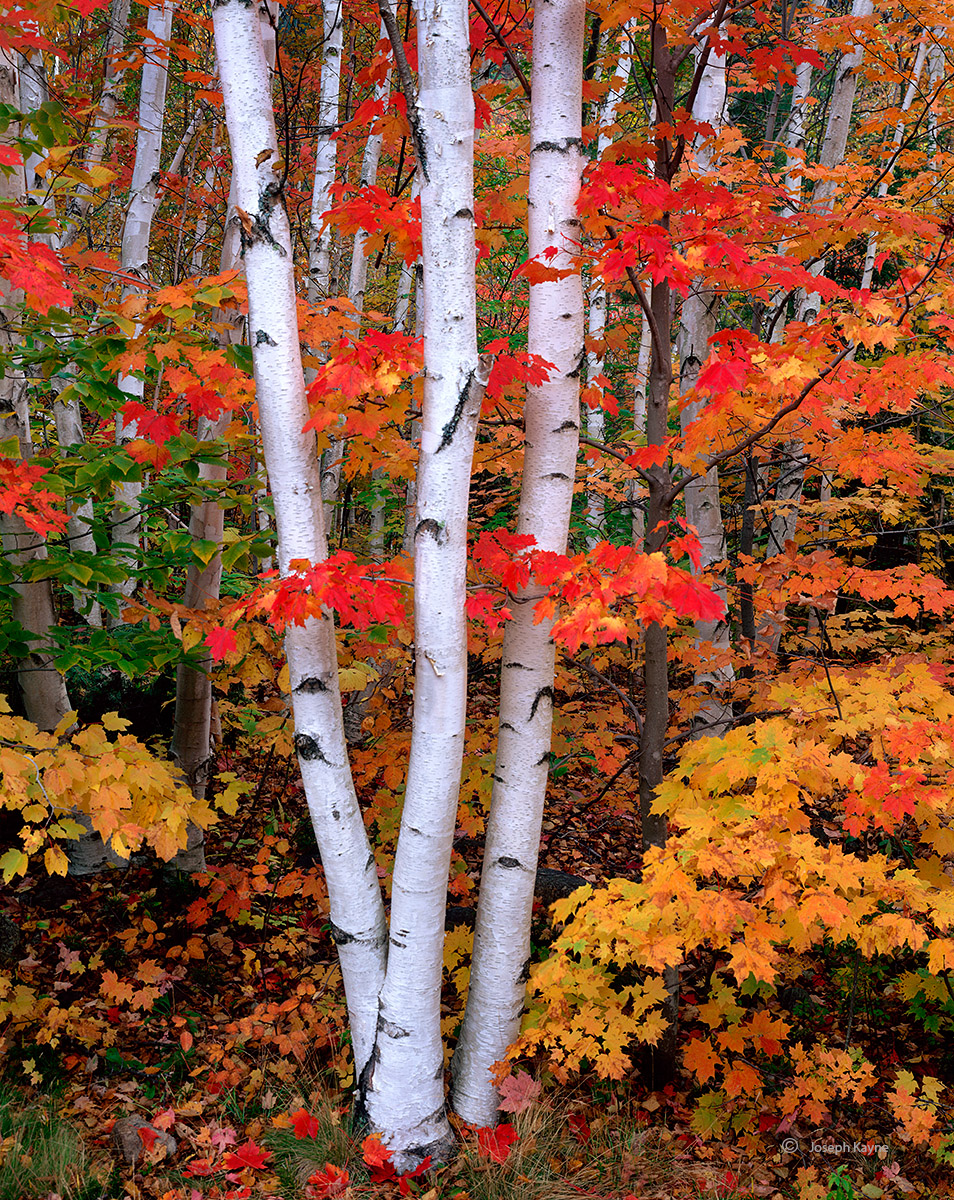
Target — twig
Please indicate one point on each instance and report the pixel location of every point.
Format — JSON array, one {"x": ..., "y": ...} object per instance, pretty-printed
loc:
[
  {"x": 407, "y": 83},
  {"x": 508, "y": 53}
]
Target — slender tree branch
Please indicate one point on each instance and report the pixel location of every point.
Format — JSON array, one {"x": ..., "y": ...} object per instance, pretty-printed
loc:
[
  {"x": 508, "y": 53},
  {"x": 407, "y": 83},
  {"x": 717, "y": 459}
]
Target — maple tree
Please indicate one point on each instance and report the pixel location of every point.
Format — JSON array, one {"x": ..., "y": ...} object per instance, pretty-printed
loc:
[{"x": 730, "y": 592}]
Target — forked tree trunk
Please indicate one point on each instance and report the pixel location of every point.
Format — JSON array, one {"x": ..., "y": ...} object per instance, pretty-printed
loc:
[
  {"x": 356, "y": 908},
  {"x": 403, "y": 1087},
  {"x": 502, "y": 936}
]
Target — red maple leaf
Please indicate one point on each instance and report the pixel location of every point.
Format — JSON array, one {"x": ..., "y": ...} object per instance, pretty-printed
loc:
[
  {"x": 330, "y": 1181},
  {"x": 221, "y": 642},
  {"x": 305, "y": 1125},
  {"x": 198, "y": 1168},
  {"x": 719, "y": 376},
  {"x": 246, "y": 1155},
  {"x": 518, "y": 1092},
  {"x": 378, "y": 1158},
  {"x": 579, "y": 1127},
  {"x": 496, "y": 1143}
]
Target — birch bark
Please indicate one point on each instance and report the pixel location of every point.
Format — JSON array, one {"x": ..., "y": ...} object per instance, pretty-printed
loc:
[
  {"x": 703, "y": 504},
  {"x": 596, "y": 319},
  {"x": 403, "y": 1088},
  {"x": 357, "y": 911},
  {"x": 502, "y": 935},
  {"x": 794, "y": 463},
  {"x": 192, "y": 736},
  {"x": 43, "y": 687},
  {"x": 78, "y": 208},
  {"x": 320, "y": 239},
  {"x": 125, "y": 530}
]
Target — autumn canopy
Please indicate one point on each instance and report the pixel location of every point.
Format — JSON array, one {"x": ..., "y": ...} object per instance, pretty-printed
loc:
[{"x": 444, "y": 448}]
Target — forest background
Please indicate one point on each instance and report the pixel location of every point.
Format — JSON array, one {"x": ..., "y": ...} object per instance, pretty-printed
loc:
[{"x": 597, "y": 388}]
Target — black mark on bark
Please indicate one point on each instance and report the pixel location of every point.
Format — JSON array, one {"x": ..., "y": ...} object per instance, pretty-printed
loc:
[
  {"x": 311, "y": 686},
  {"x": 429, "y": 525},
  {"x": 545, "y": 693},
  {"x": 309, "y": 749}
]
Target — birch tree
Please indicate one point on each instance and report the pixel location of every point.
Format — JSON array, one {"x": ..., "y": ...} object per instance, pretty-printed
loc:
[
  {"x": 598, "y": 298},
  {"x": 43, "y": 687},
  {"x": 134, "y": 256},
  {"x": 356, "y": 908},
  {"x": 552, "y": 414},
  {"x": 703, "y": 505},
  {"x": 788, "y": 492},
  {"x": 403, "y": 1088}
]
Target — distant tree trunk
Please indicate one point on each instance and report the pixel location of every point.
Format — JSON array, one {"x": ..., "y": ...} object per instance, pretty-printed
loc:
[
  {"x": 43, "y": 687},
  {"x": 192, "y": 736},
  {"x": 357, "y": 285},
  {"x": 703, "y": 504},
  {"x": 598, "y": 299},
  {"x": 794, "y": 461},
  {"x": 635, "y": 489},
  {"x": 502, "y": 935},
  {"x": 356, "y": 908},
  {"x": 320, "y": 239},
  {"x": 125, "y": 533},
  {"x": 77, "y": 209},
  {"x": 908, "y": 99},
  {"x": 358, "y": 279},
  {"x": 403, "y": 1088}
]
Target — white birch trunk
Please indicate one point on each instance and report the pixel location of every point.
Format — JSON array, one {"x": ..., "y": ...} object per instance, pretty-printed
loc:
[
  {"x": 637, "y": 493},
  {"x": 595, "y": 418},
  {"x": 403, "y": 1090},
  {"x": 907, "y": 100},
  {"x": 788, "y": 493},
  {"x": 320, "y": 240},
  {"x": 125, "y": 531},
  {"x": 326, "y": 152},
  {"x": 34, "y": 91},
  {"x": 703, "y": 503},
  {"x": 358, "y": 280},
  {"x": 43, "y": 687},
  {"x": 938, "y": 65},
  {"x": 502, "y": 936},
  {"x": 357, "y": 911},
  {"x": 79, "y": 206},
  {"x": 411, "y": 280}
]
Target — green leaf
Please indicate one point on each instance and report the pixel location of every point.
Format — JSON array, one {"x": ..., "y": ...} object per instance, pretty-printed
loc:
[
  {"x": 204, "y": 551},
  {"x": 14, "y": 862}
]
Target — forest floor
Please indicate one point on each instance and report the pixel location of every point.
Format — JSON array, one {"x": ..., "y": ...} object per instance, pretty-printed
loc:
[{"x": 212, "y": 1009}]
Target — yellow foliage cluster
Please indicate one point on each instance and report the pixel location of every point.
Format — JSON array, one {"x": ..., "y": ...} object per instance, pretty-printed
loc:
[
  {"x": 130, "y": 797},
  {"x": 828, "y": 820}
]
